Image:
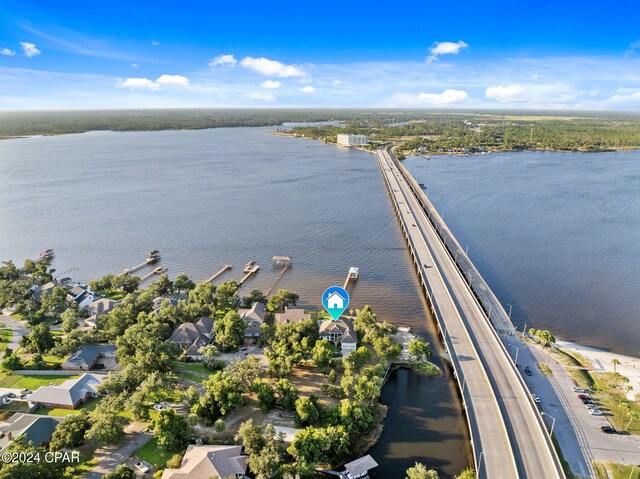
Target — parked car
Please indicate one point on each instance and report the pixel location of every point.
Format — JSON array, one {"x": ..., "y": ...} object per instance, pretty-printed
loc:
[
  {"x": 594, "y": 411},
  {"x": 158, "y": 407},
  {"x": 584, "y": 396},
  {"x": 608, "y": 429},
  {"x": 142, "y": 466},
  {"x": 11, "y": 395},
  {"x": 536, "y": 398},
  {"x": 579, "y": 390},
  {"x": 527, "y": 371},
  {"x": 587, "y": 401},
  {"x": 26, "y": 391}
]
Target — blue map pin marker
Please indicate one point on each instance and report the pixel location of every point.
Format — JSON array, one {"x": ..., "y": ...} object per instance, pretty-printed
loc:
[{"x": 335, "y": 300}]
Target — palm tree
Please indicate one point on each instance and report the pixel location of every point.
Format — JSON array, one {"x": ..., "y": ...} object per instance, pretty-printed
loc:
[{"x": 615, "y": 363}]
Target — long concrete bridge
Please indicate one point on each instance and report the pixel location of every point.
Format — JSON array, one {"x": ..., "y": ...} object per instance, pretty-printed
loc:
[{"x": 508, "y": 435}]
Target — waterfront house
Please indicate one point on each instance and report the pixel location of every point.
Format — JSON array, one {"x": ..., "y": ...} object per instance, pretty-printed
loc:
[
  {"x": 101, "y": 306},
  {"x": 173, "y": 299},
  {"x": 32, "y": 427},
  {"x": 78, "y": 295},
  {"x": 292, "y": 315},
  {"x": 205, "y": 462},
  {"x": 340, "y": 333},
  {"x": 86, "y": 357},
  {"x": 254, "y": 317},
  {"x": 190, "y": 337},
  {"x": 359, "y": 469},
  {"x": 46, "y": 289},
  {"x": 69, "y": 394}
]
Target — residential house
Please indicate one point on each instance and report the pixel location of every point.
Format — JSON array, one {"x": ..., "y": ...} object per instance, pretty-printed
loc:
[
  {"x": 340, "y": 333},
  {"x": 69, "y": 394},
  {"x": 359, "y": 469},
  {"x": 98, "y": 307},
  {"x": 292, "y": 315},
  {"x": 173, "y": 299},
  {"x": 190, "y": 337},
  {"x": 254, "y": 317},
  {"x": 80, "y": 296},
  {"x": 86, "y": 357},
  {"x": 33, "y": 427},
  {"x": 205, "y": 462},
  {"x": 46, "y": 289}
]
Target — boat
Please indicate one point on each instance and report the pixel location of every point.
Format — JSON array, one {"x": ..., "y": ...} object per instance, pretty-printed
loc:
[
  {"x": 354, "y": 273},
  {"x": 153, "y": 256},
  {"x": 46, "y": 255},
  {"x": 249, "y": 266}
]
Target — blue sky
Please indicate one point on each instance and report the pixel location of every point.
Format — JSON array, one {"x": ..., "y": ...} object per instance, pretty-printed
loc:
[{"x": 459, "y": 54}]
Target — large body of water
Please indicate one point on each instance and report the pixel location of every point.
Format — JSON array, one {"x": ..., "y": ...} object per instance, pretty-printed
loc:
[
  {"x": 556, "y": 235},
  {"x": 205, "y": 198}
]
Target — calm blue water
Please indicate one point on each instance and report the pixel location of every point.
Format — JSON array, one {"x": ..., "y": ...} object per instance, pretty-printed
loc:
[
  {"x": 556, "y": 235},
  {"x": 205, "y": 198}
]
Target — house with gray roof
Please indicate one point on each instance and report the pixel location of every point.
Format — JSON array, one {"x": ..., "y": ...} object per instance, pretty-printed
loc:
[
  {"x": 205, "y": 462},
  {"x": 340, "y": 333},
  {"x": 292, "y": 315},
  {"x": 190, "y": 337},
  {"x": 254, "y": 317},
  {"x": 86, "y": 357},
  {"x": 173, "y": 299},
  {"x": 32, "y": 427},
  {"x": 101, "y": 306},
  {"x": 69, "y": 394}
]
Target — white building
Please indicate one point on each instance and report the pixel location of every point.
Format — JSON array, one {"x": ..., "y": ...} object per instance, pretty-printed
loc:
[{"x": 352, "y": 140}]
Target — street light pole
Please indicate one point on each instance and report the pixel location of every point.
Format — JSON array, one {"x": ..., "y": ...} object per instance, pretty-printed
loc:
[
  {"x": 509, "y": 311},
  {"x": 480, "y": 464},
  {"x": 517, "y": 351},
  {"x": 553, "y": 423}
]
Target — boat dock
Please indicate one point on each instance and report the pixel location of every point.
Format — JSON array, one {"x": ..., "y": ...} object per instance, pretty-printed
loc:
[
  {"x": 159, "y": 270},
  {"x": 352, "y": 275},
  {"x": 225, "y": 268},
  {"x": 250, "y": 269},
  {"x": 152, "y": 257},
  {"x": 283, "y": 262}
]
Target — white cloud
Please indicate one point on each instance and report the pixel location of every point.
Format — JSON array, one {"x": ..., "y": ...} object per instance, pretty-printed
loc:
[
  {"x": 174, "y": 80},
  {"x": 271, "y": 67},
  {"x": 624, "y": 98},
  {"x": 447, "y": 97},
  {"x": 220, "y": 60},
  {"x": 29, "y": 49},
  {"x": 7, "y": 52},
  {"x": 264, "y": 96},
  {"x": 134, "y": 65},
  {"x": 146, "y": 84},
  {"x": 270, "y": 84},
  {"x": 155, "y": 43},
  {"x": 445, "y": 48},
  {"x": 307, "y": 89},
  {"x": 542, "y": 93},
  {"x": 336, "y": 82}
]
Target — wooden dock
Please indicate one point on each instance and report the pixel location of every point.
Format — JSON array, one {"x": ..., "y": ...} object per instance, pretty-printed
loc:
[
  {"x": 225, "y": 268},
  {"x": 153, "y": 257},
  {"x": 249, "y": 272},
  {"x": 159, "y": 270},
  {"x": 283, "y": 262},
  {"x": 352, "y": 275}
]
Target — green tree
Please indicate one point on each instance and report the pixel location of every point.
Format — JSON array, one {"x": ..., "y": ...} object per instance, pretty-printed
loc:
[
  {"x": 70, "y": 433},
  {"x": 255, "y": 296},
  {"x": 175, "y": 461},
  {"x": 420, "y": 349},
  {"x": 320, "y": 445},
  {"x": 307, "y": 410},
  {"x": 287, "y": 395},
  {"x": 54, "y": 303},
  {"x": 468, "y": 473},
  {"x": 245, "y": 371},
  {"x": 615, "y": 362},
  {"x": 226, "y": 295},
  {"x": 11, "y": 362},
  {"x": 121, "y": 472},
  {"x": 30, "y": 469},
  {"x": 107, "y": 423},
  {"x": 219, "y": 425},
  {"x": 358, "y": 358},
  {"x": 322, "y": 353},
  {"x": 266, "y": 394},
  {"x": 229, "y": 331},
  {"x": 203, "y": 295},
  {"x": 183, "y": 283},
  {"x": 38, "y": 339},
  {"x": 126, "y": 283},
  {"x": 171, "y": 430},
  {"x": 282, "y": 299},
  {"x": 545, "y": 337},
  {"x": 290, "y": 345},
  {"x": 420, "y": 471},
  {"x": 222, "y": 394},
  {"x": 162, "y": 285}
]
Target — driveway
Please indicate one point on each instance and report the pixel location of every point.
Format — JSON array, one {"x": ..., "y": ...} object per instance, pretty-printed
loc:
[
  {"x": 110, "y": 457},
  {"x": 18, "y": 327}
]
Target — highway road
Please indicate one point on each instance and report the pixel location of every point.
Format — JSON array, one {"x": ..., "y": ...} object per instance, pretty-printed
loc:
[{"x": 508, "y": 434}]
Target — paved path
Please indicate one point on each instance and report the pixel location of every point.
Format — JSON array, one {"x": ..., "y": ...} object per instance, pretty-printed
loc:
[
  {"x": 19, "y": 329},
  {"x": 110, "y": 457}
]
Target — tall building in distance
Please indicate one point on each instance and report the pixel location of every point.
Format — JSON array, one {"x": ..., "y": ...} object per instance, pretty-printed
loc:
[{"x": 352, "y": 140}]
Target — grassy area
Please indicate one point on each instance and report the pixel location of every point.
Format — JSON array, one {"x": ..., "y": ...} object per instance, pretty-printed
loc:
[
  {"x": 545, "y": 369},
  {"x": 610, "y": 393},
  {"x": 15, "y": 406},
  {"x": 153, "y": 454},
  {"x": 79, "y": 470},
  {"x": 195, "y": 367},
  {"x": 88, "y": 406},
  {"x": 52, "y": 362},
  {"x": 32, "y": 382},
  {"x": 618, "y": 471},
  {"x": 573, "y": 364},
  {"x": 190, "y": 377},
  {"x": 5, "y": 337}
]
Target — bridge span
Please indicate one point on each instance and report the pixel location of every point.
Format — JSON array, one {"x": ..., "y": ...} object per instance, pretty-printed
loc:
[{"x": 508, "y": 435}]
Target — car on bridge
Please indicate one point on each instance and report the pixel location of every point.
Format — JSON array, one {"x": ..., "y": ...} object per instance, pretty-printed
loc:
[{"x": 536, "y": 398}]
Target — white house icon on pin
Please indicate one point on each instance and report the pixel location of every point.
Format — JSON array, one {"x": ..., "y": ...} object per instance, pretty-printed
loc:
[{"x": 335, "y": 301}]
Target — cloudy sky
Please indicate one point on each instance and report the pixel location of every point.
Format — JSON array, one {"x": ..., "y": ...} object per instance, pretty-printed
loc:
[{"x": 431, "y": 54}]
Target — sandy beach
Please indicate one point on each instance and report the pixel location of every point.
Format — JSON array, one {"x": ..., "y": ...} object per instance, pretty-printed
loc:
[{"x": 629, "y": 367}]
